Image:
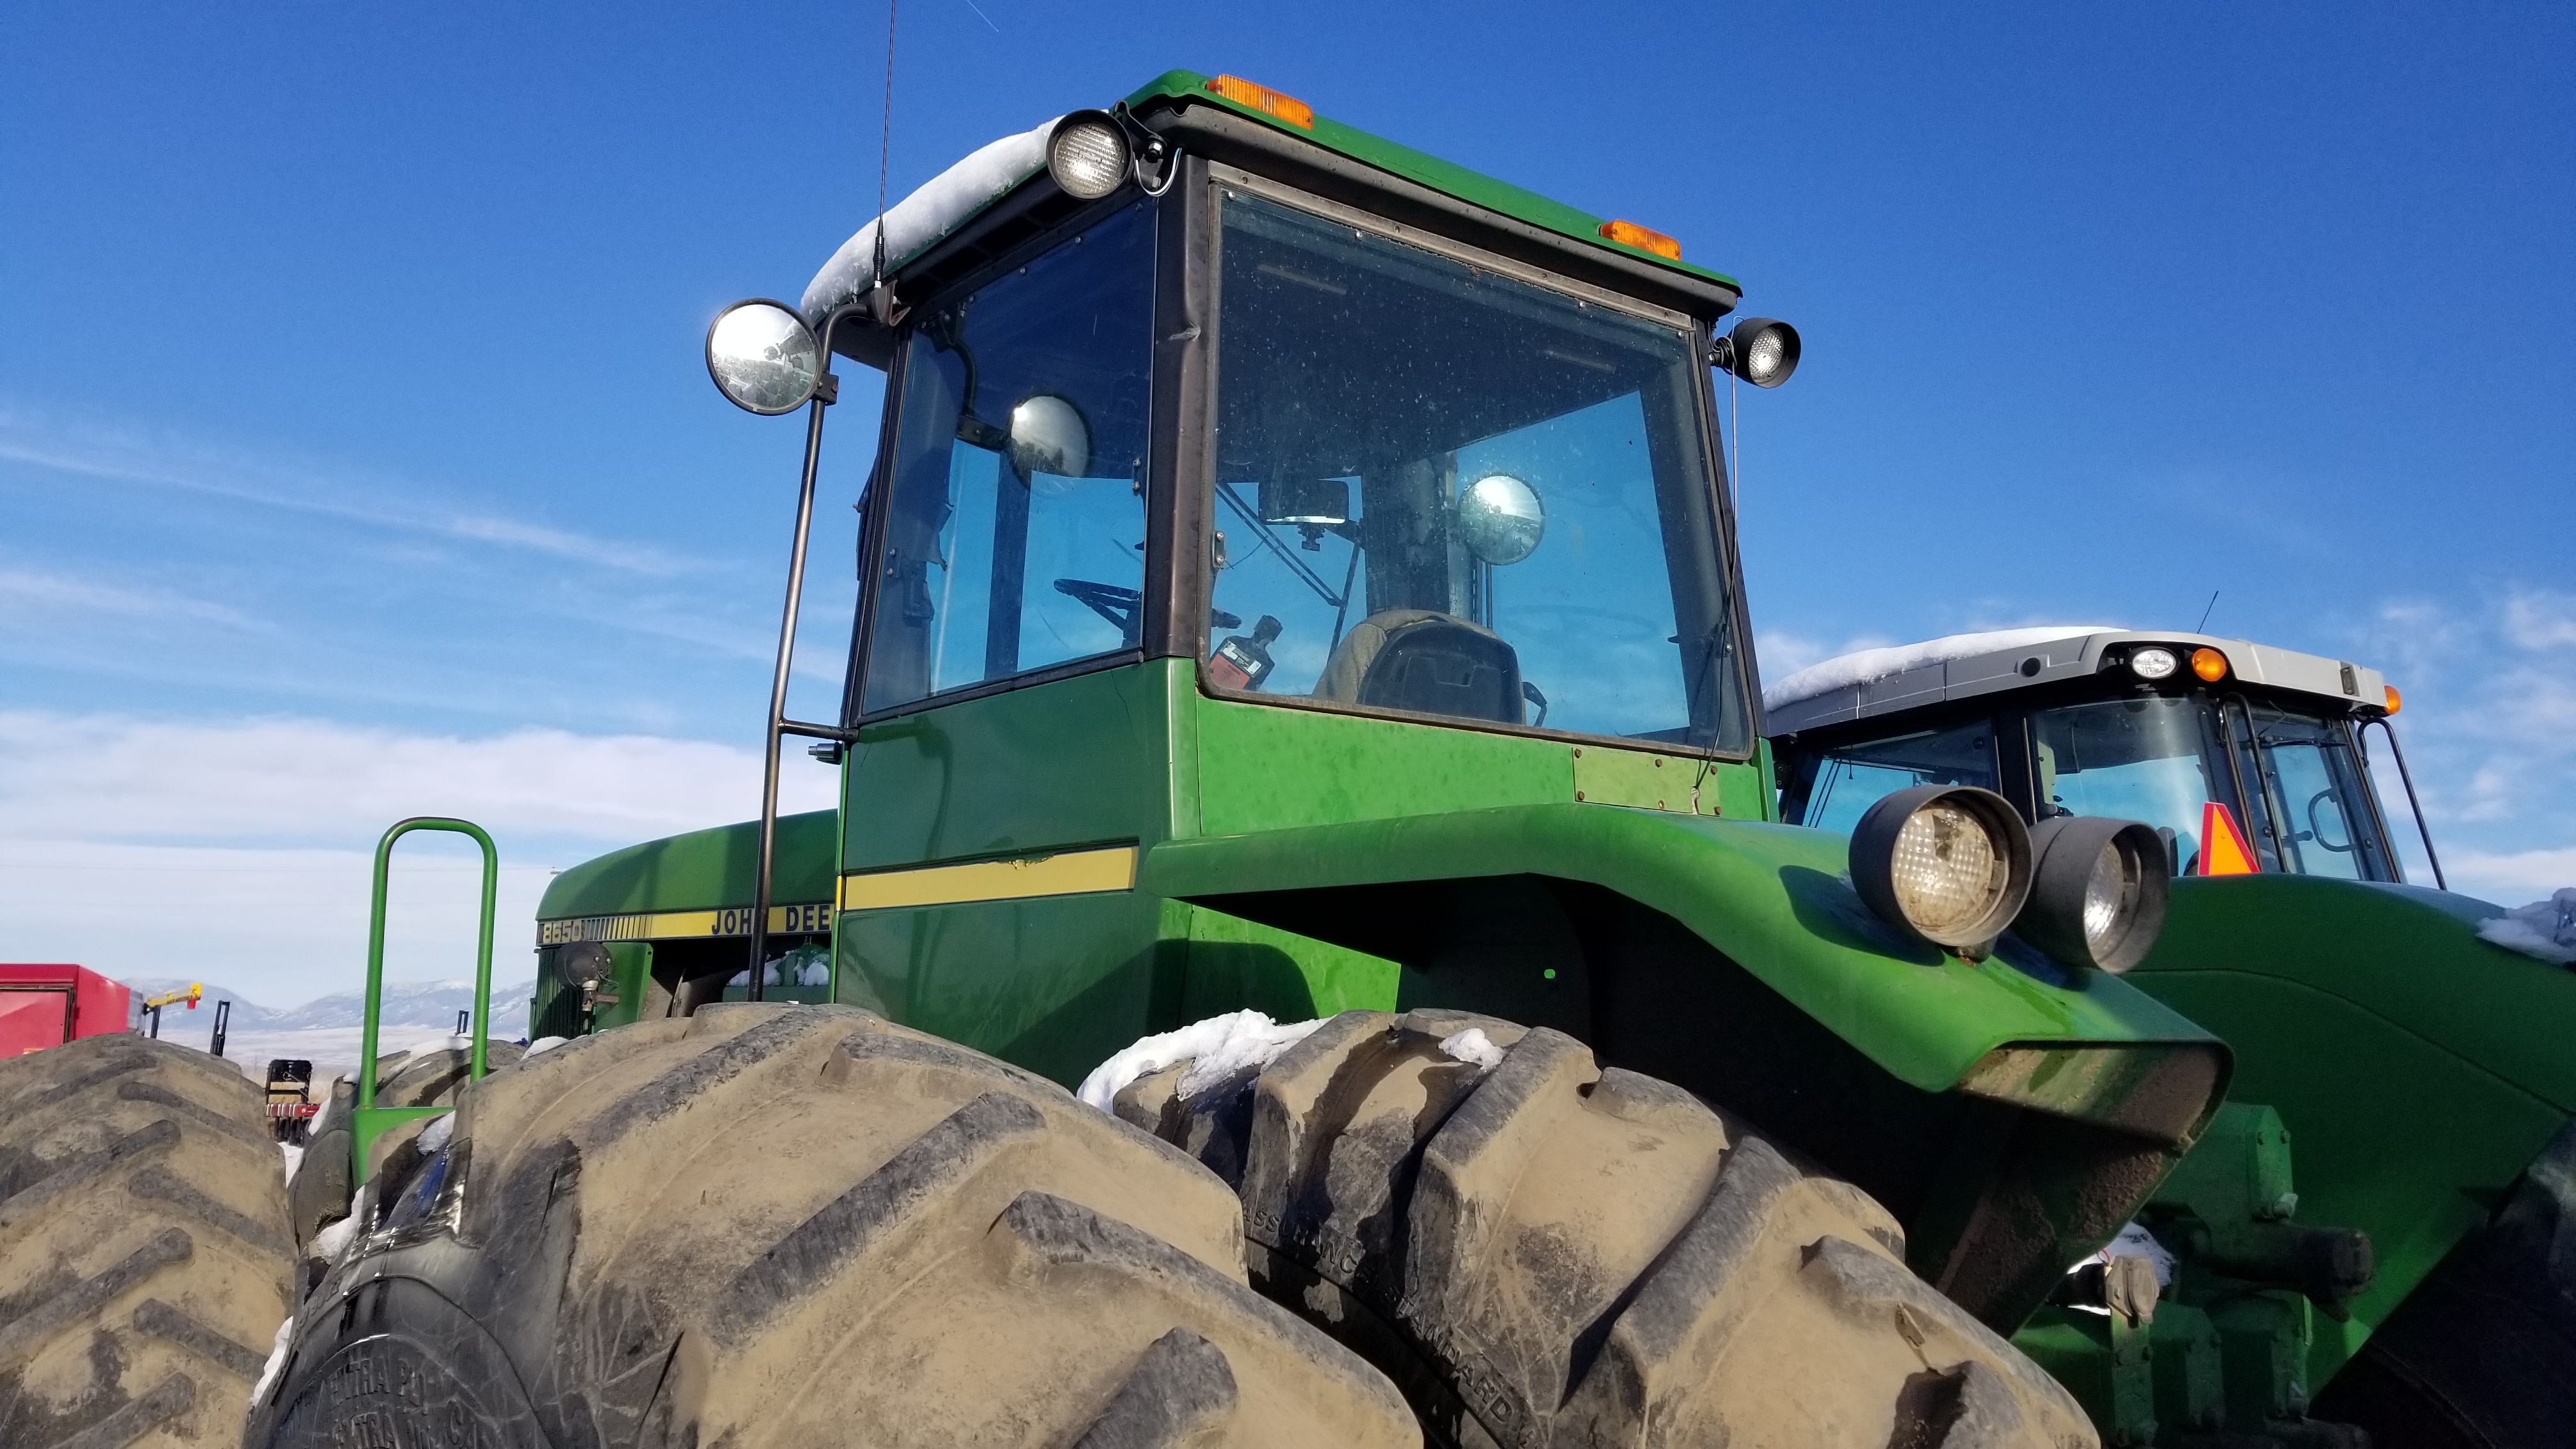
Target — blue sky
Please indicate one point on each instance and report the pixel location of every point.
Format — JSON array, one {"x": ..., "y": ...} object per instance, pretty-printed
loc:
[{"x": 356, "y": 457}]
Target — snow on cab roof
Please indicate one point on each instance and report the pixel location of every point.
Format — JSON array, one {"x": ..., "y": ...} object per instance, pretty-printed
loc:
[
  {"x": 1867, "y": 666},
  {"x": 938, "y": 207}
]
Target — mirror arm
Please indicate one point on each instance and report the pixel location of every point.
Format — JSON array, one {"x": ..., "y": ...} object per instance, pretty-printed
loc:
[{"x": 826, "y": 388}]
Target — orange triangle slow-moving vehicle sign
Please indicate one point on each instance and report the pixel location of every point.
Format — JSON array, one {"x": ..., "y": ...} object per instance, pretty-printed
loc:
[{"x": 2222, "y": 847}]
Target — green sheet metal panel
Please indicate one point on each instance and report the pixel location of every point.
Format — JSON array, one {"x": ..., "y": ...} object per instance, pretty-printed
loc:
[
  {"x": 2418, "y": 1068},
  {"x": 1768, "y": 896},
  {"x": 1447, "y": 177},
  {"x": 700, "y": 870},
  {"x": 1072, "y": 762}
]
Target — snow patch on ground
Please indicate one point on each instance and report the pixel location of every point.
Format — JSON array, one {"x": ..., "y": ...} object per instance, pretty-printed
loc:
[
  {"x": 544, "y": 1044},
  {"x": 939, "y": 207},
  {"x": 1868, "y": 665},
  {"x": 2545, "y": 929},
  {"x": 294, "y": 1160},
  {"x": 1473, "y": 1047},
  {"x": 435, "y": 1135},
  {"x": 1216, "y": 1049}
]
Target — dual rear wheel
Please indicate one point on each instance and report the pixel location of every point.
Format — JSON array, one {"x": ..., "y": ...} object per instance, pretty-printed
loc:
[{"x": 789, "y": 1226}]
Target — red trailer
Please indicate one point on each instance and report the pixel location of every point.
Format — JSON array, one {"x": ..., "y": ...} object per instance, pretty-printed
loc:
[{"x": 42, "y": 1006}]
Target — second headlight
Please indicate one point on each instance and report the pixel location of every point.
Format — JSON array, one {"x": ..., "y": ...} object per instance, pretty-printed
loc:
[
  {"x": 2098, "y": 891},
  {"x": 1950, "y": 863}
]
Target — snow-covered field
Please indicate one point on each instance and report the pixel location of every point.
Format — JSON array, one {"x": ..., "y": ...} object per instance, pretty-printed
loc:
[{"x": 332, "y": 1050}]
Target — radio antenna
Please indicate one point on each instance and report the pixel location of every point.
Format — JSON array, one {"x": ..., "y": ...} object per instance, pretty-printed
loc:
[
  {"x": 885, "y": 153},
  {"x": 2203, "y": 625}
]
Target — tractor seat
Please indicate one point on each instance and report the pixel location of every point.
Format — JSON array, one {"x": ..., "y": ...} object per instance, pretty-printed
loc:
[{"x": 1425, "y": 662}]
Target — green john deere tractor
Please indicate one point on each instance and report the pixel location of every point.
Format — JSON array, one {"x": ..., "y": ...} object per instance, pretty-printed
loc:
[
  {"x": 1297, "y": 578},
  {"x": 2416, "y": 1278}
]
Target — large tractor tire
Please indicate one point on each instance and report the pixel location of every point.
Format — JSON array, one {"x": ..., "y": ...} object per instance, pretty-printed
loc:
[
  {"x": 145, "y": 1263},
  {"x": 2482, "y": 1355},
  {"x": 770, "y": 1227},
  {"x": 1545, "y": 1253}
]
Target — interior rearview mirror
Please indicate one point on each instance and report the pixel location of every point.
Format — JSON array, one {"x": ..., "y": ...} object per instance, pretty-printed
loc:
[
  {"x": 1313, "y": 502},
  {"x": 763, "y": 357}
]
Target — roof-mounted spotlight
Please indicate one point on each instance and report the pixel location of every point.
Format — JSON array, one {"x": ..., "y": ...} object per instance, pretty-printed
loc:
[
  {"x": 1759, "y": 350},
  {"x": 1088, "y": 155}
]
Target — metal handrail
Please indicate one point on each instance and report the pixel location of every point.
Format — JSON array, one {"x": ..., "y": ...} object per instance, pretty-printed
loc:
[
  {"x": 371, "y": 1121},
  {"x": 2407, "y": 778}
]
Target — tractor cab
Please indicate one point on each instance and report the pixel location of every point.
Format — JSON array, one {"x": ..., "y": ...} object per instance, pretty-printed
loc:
[{"x": 2244, "y": 757}]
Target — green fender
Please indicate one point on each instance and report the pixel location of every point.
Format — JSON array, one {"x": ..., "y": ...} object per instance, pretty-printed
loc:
[
  {"x": 2418, "y": 1068},
  {"x": 1774, "y": 899}
]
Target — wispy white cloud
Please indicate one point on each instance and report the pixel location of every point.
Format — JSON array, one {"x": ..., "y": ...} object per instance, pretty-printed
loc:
[
  {"x": 31, "y": 599},
  {"x": 2539, "y": 619},
  {"x": 239, "y": 850},
  {"x": 122, "y": 453},
  {"x": 311, "y": 781},
  {"x": 1782, "y": 653},
  {"x": 2512, "y": 877}
]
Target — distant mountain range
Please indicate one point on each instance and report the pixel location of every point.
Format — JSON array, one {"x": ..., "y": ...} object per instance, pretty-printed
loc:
[{"x": 407, "y": 1003}]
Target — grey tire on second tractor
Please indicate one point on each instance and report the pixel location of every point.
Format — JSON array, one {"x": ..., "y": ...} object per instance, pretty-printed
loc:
[
  {"x": 144, "y": 1258},
  {"x": 770, "y": 1227},
  {"x": 1542, "y": 1252}
]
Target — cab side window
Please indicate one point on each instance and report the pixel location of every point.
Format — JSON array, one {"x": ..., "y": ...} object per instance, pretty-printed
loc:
[
  {"x": 1850, "y": 780},
  {"x": 1015, "y": 522}
]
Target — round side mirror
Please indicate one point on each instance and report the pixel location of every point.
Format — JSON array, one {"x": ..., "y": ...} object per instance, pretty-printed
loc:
[
  {"x": 763, "y": 357},
  {"x": 1048, "y": 435},
  {"x": 1500, "y": 519}
]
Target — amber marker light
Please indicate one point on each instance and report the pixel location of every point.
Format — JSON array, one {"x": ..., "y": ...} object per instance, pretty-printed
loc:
[
  {"x": 1644, "y": 238},
  {"x": 1265, "y": 100},
  {"x": 2209, "y": 664},
  {"x": 2396, "y": 701}
]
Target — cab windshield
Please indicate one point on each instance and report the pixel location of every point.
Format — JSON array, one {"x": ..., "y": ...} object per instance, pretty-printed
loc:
[
  {"x": 2291, "y": 782},
  {"x": 1446, "y": 491}
]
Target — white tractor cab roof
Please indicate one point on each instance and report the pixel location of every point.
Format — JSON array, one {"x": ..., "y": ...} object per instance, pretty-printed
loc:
[{"x": 1873, "y": 682}]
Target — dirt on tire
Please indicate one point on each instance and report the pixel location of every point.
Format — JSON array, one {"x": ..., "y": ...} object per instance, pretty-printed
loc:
[
  {"x": 792, "y": 1225},
  {"x": 1542, "y": 1252},
  {"x": 145, "y": 1258}
]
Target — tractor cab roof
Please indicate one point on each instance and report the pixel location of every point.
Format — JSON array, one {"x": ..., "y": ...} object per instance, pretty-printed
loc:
[
  {"x": 1231, "y": 119},
  {"x": 1874, "y": 682}
]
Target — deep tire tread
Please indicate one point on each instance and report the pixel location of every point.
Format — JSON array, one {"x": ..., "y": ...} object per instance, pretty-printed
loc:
[
  {"x": 1545, "y": 1253},
  {"x": 144, "y": 1246},
  {"x": 761, "y": 1225}
]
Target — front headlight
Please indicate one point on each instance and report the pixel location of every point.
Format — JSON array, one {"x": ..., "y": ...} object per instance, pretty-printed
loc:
[
  {"x": 1950, "y": 863},
  {"x": 2097, "y": 893}
]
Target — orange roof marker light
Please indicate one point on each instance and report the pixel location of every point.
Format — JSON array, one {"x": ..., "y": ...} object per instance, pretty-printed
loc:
[
  {"x": 2209, "y": 664},
  {"x": 1262, "y": 98},
  {"x": 1644, "y": 238},
  {"x": 2396, "y": 701}
]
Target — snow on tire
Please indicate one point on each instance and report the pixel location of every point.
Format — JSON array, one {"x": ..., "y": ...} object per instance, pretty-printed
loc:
[
  {"x": 1546, "y": 1253},
  {"x": 144, "y": 1256},
  {"x": 790, "y": 1225}
]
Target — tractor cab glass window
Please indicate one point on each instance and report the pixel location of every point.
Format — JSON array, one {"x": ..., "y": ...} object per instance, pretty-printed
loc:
[
  {"x": 1847, "y": 781},
  {"x": 2145, "y": 758},
  {"x": 1015, "y": 517},
  {"x": 1446, "y": 491},
  {"x": 2314, "y": 815}
]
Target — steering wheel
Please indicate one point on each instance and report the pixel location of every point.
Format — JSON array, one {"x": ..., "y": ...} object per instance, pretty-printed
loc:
[{"x": 2317, "y": 832}]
